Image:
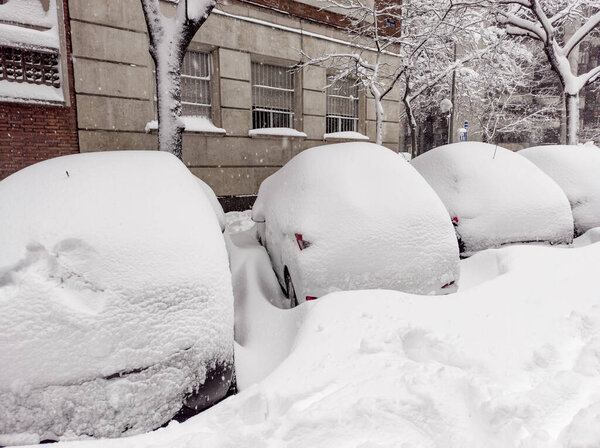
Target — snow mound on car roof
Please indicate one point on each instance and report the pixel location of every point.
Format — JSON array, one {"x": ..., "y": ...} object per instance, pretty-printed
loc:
[
  {"x": 115, "y": 294},
  {"x": 576, "y": 169},
  {"x": 496, "y": 195},
  {"x": 371, "y": 219}
]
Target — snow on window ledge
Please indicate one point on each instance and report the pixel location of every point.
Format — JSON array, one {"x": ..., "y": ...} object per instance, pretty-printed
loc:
[
  {"x": 200, "y": 125},
  {"x": 276, "y": 132},
  {"x": 22, "y": 92},
  {"x": 348, "y": 135}
]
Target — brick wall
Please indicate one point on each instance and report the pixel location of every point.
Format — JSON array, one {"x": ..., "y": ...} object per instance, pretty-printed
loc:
[{"x": 30, "y": 133}]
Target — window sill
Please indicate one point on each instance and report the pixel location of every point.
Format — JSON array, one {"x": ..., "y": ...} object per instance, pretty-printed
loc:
[
  {"x": 21, "y": 92},
  {"x": 276, "y": 133},
  {"x": 193, "y": 125},
  {"x": 345, "y": 136}
]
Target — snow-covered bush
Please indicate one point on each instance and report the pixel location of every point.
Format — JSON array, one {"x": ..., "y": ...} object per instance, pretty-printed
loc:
[
  {"x": 370, "y": 221},
  {"x": 495, "y": 196},
  {"x": 576, "y": 169},
  {"x": 115, "y": 295}
]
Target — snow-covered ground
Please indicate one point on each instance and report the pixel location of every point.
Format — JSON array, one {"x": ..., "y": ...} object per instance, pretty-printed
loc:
[{"x": 511, "y": 360}]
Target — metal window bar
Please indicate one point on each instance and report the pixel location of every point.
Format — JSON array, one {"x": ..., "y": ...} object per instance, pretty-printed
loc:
[
  {"x": 29, "y": 66},
  {"x": 272, "y": 96},
  {"x": 195, "y": 85},
  {"x": 342, "y": 106}
]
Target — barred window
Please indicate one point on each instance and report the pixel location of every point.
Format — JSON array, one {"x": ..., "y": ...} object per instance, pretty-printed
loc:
[
  {"x": 195, "y": 84},
  {"x": 272, "y": 96},
  {"x": 29, "y": 66},
  {"x": 342, "y": 106}
]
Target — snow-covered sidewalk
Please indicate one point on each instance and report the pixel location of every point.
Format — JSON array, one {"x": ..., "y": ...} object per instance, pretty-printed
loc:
[{"x": 511, "y": 360}]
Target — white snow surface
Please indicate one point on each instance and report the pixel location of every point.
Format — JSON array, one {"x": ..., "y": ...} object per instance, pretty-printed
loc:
[
  {"x": 21, "y": 91},
  {"x": 191, "y": 123},
  {"x": 511, "y": 362},
  {"x": 12, "y": 35},
  {"x": 497, "y": 196},
  {"x": 214, "y": 203},
  {"x": 277, "y": 132},
  {"x": 576, "y": 169},
  {"x": 347, "y": 135},
  {"x": 372, "y": 222},
  {"x": 115, "y": 295},
  {"x": 30, "y": 12}
]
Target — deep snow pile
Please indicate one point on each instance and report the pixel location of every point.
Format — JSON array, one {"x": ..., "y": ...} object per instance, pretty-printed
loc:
[
  {"x": 372, "y": 222},
  {"x": 495, "y": 196},
  {"x": 511, "y": 362},
  {"x": 115, "y": 295},
  {"x": 577, "y": 170}
]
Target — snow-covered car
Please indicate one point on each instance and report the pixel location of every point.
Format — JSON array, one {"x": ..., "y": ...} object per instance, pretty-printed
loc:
[
  {"x": 576, "y": 169},
  {"x": 214, "y": 202},
  {"x": 116, "y": 303},
  {"x": 354, "y": 216},
  {"x": 495, "y": 197}
]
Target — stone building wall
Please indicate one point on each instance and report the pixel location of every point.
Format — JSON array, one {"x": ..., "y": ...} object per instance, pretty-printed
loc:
[{"x": 114, "y": 86}]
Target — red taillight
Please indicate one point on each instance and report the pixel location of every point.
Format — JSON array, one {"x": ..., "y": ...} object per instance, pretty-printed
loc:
[
  {"x": 448, "y": 284},
  {"x": 301, "y": 243},
  {"x": 311, "y": 298},
  {"x": 455, "y": 220}
]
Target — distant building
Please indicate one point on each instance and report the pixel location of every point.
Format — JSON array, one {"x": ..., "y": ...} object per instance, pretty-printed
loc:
[{"x": 236, "y": 75}]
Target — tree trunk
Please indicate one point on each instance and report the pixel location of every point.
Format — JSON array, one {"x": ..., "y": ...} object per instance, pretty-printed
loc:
[
  {"x": 412, "y": 127},
  {"x": 379, "y": 116},
  {"x": 168, "y": 94},
  {"x": 572, "y": 107}
]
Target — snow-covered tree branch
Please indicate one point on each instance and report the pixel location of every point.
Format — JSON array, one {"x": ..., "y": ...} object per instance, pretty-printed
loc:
[
  {"x": 408, "y": 45},
  {"x": 552, "y": 23},
  {"x": 169, "y": 38}
]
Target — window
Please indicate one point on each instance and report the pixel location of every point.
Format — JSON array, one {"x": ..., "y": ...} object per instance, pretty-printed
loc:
[
  {"x": 195, "y": 84},
  {"x": 29, "y": 66},
  {"x": 272, "y": 96},
  {"x": 342, "y": 106}
]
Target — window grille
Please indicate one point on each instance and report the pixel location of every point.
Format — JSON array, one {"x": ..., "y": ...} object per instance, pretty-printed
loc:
[
  {"x": 195, "y": 84},
  {"x": 342, "y": 106},
  {"x": 272, "y": 96},
  {"x": 29, "y": 66}
]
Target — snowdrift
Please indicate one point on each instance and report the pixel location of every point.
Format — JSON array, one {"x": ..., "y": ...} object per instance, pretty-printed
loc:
[
  {"x": 371, "y": 220},
  {"x": 513, "y": 362},
  {"x": 495, "y": 196},
  {"x": 115, "y": 295},
  {"x": 576, "y": 169}
]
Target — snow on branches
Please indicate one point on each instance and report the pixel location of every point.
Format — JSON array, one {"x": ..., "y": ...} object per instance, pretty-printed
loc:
[{"x": 560, "y": 25}]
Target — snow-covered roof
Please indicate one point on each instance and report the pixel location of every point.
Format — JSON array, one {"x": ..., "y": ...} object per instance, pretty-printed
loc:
[
  {"x": 495, "y": 196},
  {"x": 576, "y": 169}
]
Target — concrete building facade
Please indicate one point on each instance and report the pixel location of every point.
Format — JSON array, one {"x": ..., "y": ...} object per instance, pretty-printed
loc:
[{"x": 114, "y": 86}]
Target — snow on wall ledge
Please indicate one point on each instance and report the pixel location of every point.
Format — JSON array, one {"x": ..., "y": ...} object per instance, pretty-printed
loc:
[
  {"x": 115, "y": 295},
  {"x": 276, "y": 132},
  {"x": 191, "y": 124},
  {"x": 30, "y": 93}
]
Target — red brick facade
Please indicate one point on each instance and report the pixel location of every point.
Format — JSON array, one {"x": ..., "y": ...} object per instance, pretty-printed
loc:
[{"x": 30, "y": 133}]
